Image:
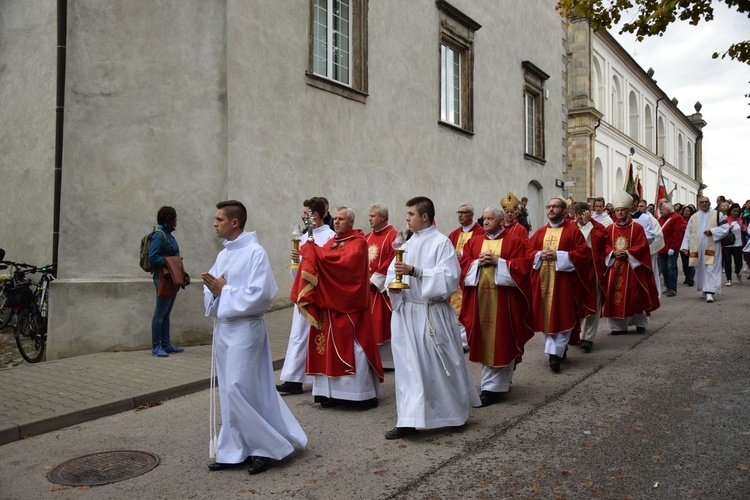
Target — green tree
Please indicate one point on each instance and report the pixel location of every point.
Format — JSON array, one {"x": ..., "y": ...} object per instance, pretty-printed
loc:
[{"x": 652, "y": 17}]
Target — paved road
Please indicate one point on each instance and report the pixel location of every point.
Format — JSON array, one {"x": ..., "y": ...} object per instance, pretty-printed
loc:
[{"x": 660, "y": 415}]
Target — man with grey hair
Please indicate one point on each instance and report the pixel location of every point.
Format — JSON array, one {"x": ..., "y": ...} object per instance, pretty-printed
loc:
[
  {"x": 380, "y": 254},
  {"x": 332, "y": 291},
  {"x": 702, "y": 244},
  {"x": 459, "y": 237},
  {"x": 673, "y": 229},
  {"x": 497, "y": 302}
]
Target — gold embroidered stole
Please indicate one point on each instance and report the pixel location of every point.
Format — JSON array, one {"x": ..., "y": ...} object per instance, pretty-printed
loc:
[
  {"x": 620, "y": 271},
  {"x": 547, "y": 272},
  {"x": 710, "y": 253},
  {"x": 487, "y": 302},
  {"x": 457, "y": 297}
]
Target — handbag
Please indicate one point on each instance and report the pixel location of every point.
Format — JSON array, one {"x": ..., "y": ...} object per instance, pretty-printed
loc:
[{"x": 729, "y": 239}]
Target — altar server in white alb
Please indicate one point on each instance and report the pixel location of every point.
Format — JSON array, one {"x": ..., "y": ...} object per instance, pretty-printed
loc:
[
  {"x": 293, "y": 372},
  {"x": 433, "y": 385},
  {"x": 256, "y": 425},
  {"x": 702, "y": 244}
]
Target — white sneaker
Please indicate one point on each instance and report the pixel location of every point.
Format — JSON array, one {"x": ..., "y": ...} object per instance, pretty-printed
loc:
[
  {"x": 709, "y": 297},
  {"x": 729, "y": 283}
]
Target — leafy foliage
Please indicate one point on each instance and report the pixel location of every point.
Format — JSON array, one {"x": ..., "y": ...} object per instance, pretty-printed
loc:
[{"x": 653, "y": 17}]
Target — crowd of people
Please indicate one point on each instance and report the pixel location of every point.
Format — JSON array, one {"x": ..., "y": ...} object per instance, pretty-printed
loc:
[{"x": 417, "y": 301}]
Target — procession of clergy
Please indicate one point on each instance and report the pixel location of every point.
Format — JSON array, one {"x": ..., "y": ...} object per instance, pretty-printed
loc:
[{"x": 416, "y": 301}]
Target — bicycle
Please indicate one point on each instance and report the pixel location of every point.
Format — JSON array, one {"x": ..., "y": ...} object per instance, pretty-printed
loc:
[{"x": 29, "y": 310}]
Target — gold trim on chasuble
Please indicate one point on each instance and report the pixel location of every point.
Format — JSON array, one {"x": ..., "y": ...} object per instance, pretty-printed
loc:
[
  {"x": 621, "y": 267},
  {"x": 548, "y": 271},
  {"x": 457, "y": 298},
  {"x": 487, "y": 303}
]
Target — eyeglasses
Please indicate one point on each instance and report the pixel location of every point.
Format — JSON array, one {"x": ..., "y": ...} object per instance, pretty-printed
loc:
[
  {"x": 549, "y": 207},
  {"x": 463, "y": 212}
]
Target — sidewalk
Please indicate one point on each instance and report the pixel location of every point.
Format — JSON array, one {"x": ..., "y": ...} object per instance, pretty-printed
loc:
[{"x": 46, "y": 396}]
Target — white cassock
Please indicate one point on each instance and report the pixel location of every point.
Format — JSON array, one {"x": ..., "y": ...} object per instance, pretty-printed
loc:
[
  {"x": 655, "y": 238},
  {"x": 255, "y": 421},
  {"x": 296, "y": 351},
  {"x": 707, "y": 277},
  {"x": 602, "y": 218},
  {"x": 426, "y": 340}
]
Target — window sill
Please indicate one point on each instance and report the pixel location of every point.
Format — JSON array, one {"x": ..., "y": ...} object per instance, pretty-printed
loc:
[
  {"x": 535, "y": 159},
  {"x": 456, "y": 128},
  {"x": 335, "y": 87}
]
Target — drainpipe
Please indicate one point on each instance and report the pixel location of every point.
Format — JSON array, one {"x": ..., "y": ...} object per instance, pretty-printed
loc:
[{"x": 62, "y": 29}]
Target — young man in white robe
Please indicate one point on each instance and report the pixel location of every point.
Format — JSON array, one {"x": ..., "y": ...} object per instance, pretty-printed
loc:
[
  {"x": 293, "y": 372},
  {"x": 256, "y": 424},
  {"x": 433, "y": 385},
  {"x": 702, "y": 244}
]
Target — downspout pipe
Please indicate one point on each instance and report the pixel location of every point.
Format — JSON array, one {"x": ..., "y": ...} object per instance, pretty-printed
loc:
[{"x": 62, "y": 34}]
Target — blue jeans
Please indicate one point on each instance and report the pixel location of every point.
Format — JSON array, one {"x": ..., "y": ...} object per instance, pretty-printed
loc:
[
  {"x": 160, "y": 321},
  {"x": 668, "y": 269}
]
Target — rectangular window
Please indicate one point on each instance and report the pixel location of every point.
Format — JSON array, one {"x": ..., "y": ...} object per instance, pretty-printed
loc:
[
  {"x": 450, "y": 85},
  {"x": 338, "y": 47},
  {"x": 533, "y": 109},
  {"x": 456, "y": 67}
]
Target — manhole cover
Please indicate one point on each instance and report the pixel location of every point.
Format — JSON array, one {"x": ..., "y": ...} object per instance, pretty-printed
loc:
[{"x": 103, "y": 468}]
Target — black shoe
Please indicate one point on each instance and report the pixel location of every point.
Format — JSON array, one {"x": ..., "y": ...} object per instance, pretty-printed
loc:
[
  {"x": 618, "y": 332},
  {"x": 554, "y": 363},
  {"x": 690, "y": 283},
  {"x": 490, "y": 398},
  {"x": 217, "y": 466},
  {"x": 400, "y": 432},
  {"x": 587, "y": 345},
  {"x": 565, "y": 354},
  {"x": 368, "y": 404},
  {"x": 640, "y": 329},
  {"x": 290, "y": 388},
  {"x": 328, "y": 402},
  {"x": 258, "y": 465}
]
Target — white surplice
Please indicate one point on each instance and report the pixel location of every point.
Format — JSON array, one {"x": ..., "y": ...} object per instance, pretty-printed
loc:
[
  {"x": 296, "y": 351},
  {"x": 255, "y": 420},
  {"x": 655, "y": 238},
  {"x": 433, "y": 384},
  {"x": 707, "y": 278}
]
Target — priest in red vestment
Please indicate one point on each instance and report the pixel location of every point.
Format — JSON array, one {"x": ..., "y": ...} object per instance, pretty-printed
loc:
[
  {"x": 380, "y": 250},
  {"x": 631, "y": 291},
  {"x": 510, "y": 206},
  {"x": 496, "y": 303},
  {"x": 332, "y": 291},
  {"x": 561, "y": 281},
  {"x": 459, "y": 236},
  {"x": 596, "y": 239}
]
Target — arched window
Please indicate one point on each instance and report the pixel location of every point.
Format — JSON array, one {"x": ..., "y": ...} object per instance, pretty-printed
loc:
[
  {"x": 616, "y": 104},
  {"x": 598, "y": 95},
  {"x": 661, "y": 138},
  {"x": 635, "y": 116},
  {"x": 690, "y": 160},
  {"x": 681, "y": 153},
  {"x": 649, "y": 129},
  {"x": 598, "y": 177}
]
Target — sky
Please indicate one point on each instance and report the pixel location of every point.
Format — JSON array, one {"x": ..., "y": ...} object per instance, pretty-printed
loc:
[{"x": 684, "y": 69}]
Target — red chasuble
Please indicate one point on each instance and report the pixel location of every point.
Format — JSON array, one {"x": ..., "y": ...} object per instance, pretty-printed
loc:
[
  {"x": 380, "y": 251},
  {"x": 629, "y": 291},
  {"x": 518, "y": 230},
  {"x": 459, "y": 238},
  {"x": 332, "y": 291},
  {"x": 560, "y": 299},
  {"x": 498, "y": 318}
]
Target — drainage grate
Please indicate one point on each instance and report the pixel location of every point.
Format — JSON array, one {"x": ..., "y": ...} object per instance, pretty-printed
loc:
[{"x": 103, "y": 468}]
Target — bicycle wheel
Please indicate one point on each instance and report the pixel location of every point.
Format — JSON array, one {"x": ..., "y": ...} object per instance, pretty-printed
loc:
[
  {"x": 4, "y": 309},
  {"x": 30, "y": 330}
]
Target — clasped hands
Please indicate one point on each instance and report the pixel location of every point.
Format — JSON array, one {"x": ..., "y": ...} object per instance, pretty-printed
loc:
[
  {"x": 213, "y": 283},
  {"x": 487, "y": 259},
  {"x": 548, "y": 254}
]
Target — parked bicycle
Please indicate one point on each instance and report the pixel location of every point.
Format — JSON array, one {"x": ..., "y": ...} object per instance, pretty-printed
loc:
[{"x": 28, "y": 304}]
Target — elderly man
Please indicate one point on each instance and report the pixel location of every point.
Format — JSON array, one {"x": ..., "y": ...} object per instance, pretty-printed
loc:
[
  {"x": 702, "y": 244},
  {"x": 561, "y": 281},
  {"x": 256, "y": 424},
  {"x": 458, "y": 238},
  {"x": 380, "y": 250},
  {"x": 599, "y": 214},
  {"x": 510, "y": 206},
  {"x": 293, "y": 371},
  {"x": 673, "y": 228},
  {"x": 332, "y": 289},
  {"x": 497, "y": 298},
  {"x": 433, "y": 383},
  {"x": 631, "y": 291}
]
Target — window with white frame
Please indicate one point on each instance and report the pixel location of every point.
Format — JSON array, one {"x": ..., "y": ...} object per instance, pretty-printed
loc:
[
  {"x": 690, "y": 160},
  {"x": 338, "y": 47},
  {"x": 635, "y": 117},
  {"x": 456, "y": 67},
  {"x": 681, "y": 153},
  {"x": 649, "y": 129},
  {"x": 533, "y": 106}
]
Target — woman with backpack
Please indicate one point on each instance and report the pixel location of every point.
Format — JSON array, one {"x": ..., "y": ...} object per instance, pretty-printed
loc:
[{"x": 163, "y": 245}]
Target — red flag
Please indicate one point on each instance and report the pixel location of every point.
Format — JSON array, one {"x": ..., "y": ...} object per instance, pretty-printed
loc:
[
  {"x": 661, "y": 188},
  {"x": 629, "y": 183},
  {"x": 638, "y": 187}
]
